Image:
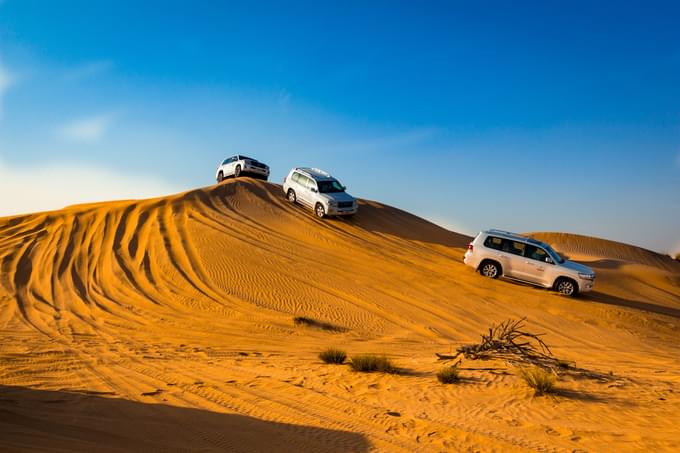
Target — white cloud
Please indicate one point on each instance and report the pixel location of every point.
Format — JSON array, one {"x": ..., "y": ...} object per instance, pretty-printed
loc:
[
  {"x": 6, "y": 81},
  {"x": 87, "y": 70},
  {"x": 85, "y": 130},
  {"x": 49, "y": 187}
]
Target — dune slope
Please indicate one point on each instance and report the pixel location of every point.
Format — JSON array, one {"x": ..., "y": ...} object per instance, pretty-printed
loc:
[{"x": 180, "y": 309}]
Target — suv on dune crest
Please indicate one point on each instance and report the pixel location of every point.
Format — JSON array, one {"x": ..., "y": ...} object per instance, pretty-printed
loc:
[
  {"x": 241, "y": 165},
  {"x": 319, "y": 191},
  {"x": 496, "y": 253}
]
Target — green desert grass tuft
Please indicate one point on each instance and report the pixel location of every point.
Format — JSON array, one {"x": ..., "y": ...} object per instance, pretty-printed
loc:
[
  {"x": 540, "y": 380},
  {"x": 448, "y": 375},
  {"x": 369, "y": 363},
  {"x": 333, "y": 356}
]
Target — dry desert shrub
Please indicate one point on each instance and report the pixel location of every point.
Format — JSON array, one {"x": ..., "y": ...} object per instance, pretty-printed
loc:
[
  {"x": 333, "y": 356},
  {"x": 540, "y": 380},
  {"x": 369, "y": 363},
  {"x": 448, "y": 375}
]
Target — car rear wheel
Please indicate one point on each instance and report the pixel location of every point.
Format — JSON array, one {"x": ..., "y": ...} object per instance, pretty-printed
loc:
[
  {"x": 566, "y": 287},
  {"x": 237, "y": 171},
  {"x": 291, "y": 196},
  {"x": 320, "y": 211},
  {"x": 220, "y": 176},
  {"x": 490, "y": 269}
]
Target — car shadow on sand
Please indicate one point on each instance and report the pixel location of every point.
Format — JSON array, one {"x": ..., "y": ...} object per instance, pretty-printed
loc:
[
  {"x": 629, "y": 303},
  {"x": 38, "y": 420}
]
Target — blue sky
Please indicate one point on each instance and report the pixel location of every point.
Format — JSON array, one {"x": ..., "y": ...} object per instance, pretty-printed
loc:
[{"x": 528, "y": 116}]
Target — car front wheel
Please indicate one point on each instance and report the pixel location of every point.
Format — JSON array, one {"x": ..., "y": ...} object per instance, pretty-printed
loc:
[
  {"x": 237, "y": 171},
  {"x": 566, "y": 287},
  {"x": 320, "y": 211}
]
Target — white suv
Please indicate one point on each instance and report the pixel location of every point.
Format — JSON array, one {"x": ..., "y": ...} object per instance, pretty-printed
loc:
[
  {"x": 496, "y": 253},
  {"x": 241, "y": 165},
  {"x": 319, "y": 191}
]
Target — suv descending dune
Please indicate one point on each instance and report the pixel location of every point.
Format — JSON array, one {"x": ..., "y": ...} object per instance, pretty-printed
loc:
[
  {"x": 319, "y": 191},
  {"x": 241, "y": 165},
  {"x": 496, "y": 253}
]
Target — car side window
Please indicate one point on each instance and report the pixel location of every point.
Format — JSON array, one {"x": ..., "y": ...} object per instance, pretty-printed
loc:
[
  {"x": 535, "y": 253},
  {"x": 296, "y": 177},
  {"x": 310, "y": 183},
  {"x": 493, "y": 242},
  {"x": 225, "y": 162},
  {"x": 514, "y": 247}
]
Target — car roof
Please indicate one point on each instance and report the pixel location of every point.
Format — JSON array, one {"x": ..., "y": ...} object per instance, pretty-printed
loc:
[
  {"x": 315, "y": 173},
  {"x": 239, "y": 156},
  {"x": 515, "y": 237}
]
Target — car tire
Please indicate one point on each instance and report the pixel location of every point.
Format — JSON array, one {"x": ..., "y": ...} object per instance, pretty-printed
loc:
[
  {"x": 291, "y": 196},
  {"x": 220, "y": 177},
  {"x": 566, "y": 287},
  {"x": 237, "y": 171},
  {"x": 320, "y": 211},
  {"x": 490, "y": 269}
]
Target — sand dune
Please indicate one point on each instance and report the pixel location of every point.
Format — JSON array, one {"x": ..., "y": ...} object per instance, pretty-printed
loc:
[
  {"x": 575, "y": 245},
  {"x": 168, "y": 323}
]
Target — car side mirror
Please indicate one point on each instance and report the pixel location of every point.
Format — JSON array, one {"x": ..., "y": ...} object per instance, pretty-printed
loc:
[
  {"x": 314, "y": 190},
  {"x": 548, "y": 260},
  {"x": 344, "y": 188}
]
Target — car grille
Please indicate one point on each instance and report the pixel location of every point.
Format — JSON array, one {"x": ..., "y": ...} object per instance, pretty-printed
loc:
[
  {"x": 345, "y": 204},
  {"x": 258, "y": 164}
]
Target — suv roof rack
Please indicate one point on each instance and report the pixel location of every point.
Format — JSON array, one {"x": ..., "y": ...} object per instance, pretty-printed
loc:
[
  {"x": 314, "y": 172},
  {"x": 508, "y": 233},
  {"x": 525, "y": 237}
]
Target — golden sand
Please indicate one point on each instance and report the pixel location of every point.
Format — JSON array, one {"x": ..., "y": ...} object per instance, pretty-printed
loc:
[{"x": 167, "y": 324}]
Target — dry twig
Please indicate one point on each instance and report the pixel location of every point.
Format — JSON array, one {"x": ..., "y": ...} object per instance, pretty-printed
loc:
[{"x": 509, "y": 341}]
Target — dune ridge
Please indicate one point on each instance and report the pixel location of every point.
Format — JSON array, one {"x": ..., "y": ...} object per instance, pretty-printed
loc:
[
  {"x": 183, "y": 307},
  {"x": 578, "y": 245}
]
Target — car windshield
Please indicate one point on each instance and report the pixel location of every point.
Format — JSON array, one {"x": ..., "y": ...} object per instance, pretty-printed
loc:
[
  {"x": 245, "y": 158},
  {"x": 332, "y": 186},
  {"x": 555, "y": 256}
]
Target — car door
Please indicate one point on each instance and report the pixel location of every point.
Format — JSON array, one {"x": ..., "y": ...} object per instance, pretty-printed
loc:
[
  {"x": 534, "y": 266},
  {"x": 303, "y": 192},
  {"x": 229, "y": 167},
  {"x": 513, "y": 262}
]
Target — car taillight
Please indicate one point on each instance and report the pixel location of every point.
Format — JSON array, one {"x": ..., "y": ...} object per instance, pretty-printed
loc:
[{"x": 470, "y": 246}]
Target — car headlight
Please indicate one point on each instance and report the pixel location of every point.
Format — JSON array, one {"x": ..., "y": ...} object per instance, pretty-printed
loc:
[
  {"x": 332, "y": 203},
  {"x": 586, "y": 276}
]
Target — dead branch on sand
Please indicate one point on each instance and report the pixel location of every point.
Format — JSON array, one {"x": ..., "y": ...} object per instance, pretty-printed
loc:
[{"x": 511, "y": 342}]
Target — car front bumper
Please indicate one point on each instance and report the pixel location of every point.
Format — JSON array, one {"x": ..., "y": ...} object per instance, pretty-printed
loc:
[
  {"x": 585, "y": 286},
  {"x": 256, "y": 170},
  {"x": 332, "y": 210}
]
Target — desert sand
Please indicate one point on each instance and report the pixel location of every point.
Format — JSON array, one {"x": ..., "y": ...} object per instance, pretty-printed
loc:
[{"x": 167, "y": 325}]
